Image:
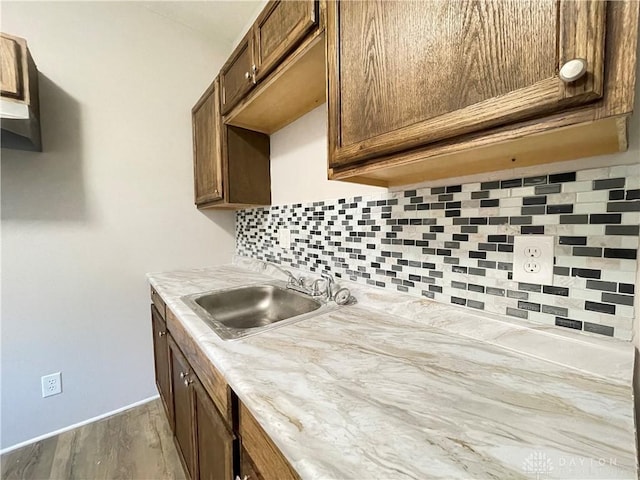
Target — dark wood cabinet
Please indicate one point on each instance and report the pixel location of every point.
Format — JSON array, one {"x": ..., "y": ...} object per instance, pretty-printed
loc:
[
  {"x": 161, "y": 362},
  {"x": 204, "y": 438},
  {"x": 412, "y": 81},
  {"x": 207, "y": 146},
  {"x": 281, "y": 26},
  {"x": 216, "y": 436},
  {"x": 413, "y": 72},
  {"x": 184, "y": 429},
  {"x": 283, "y": 57},
  {"x": 214, "y": 442},
  {"x": 19, "y": 96},
  {"x": 287, "y": 69},
  {"x": 237, "y": 75},
  {"x": 231, "y": 164}
]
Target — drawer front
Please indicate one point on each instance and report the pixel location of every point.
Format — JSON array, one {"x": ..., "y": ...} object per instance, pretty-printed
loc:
[
  {"x": 159, "y": 303},
  {"x": 212, "y": 380},
  {"x": 266, "y": 457}
]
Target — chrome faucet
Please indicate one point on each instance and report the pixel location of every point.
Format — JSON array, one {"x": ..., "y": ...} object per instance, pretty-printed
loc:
[
  {"x": 321, "y": 287},
  {"x": 291, "y": 278},
  {"x": 330, "y": 283}
]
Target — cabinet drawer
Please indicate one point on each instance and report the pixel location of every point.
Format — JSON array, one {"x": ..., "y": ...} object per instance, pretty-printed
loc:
[
  {"x": 265, "y": 456},
  {"x": 159, "y": 303},
  {"x": 212, "y": 380}
]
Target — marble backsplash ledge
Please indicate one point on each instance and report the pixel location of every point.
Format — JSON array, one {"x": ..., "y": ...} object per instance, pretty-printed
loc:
[{"x": 454, "y": 244}]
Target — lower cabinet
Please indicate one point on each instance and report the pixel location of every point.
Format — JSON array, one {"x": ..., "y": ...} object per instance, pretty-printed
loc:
[
  {"x": 184, "y": 428},
  {"x": 214, "y": 445},
  {"x": 211, "y": 446},
  {"x": 205, "y": 442},
  {"x": 161, "y": 360}
]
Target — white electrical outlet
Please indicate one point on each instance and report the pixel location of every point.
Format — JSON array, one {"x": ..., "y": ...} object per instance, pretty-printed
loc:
[
  {"x": 533, "y": 259},
  {"x": 284, "y": 238},
  {"x": 51, "y": 384}
]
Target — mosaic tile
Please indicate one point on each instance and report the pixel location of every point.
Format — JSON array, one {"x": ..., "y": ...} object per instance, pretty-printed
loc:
[{"x": 454, "y": 244}]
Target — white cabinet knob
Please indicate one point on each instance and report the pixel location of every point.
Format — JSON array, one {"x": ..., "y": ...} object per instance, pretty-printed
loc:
[{"x": 573, "y": 70}]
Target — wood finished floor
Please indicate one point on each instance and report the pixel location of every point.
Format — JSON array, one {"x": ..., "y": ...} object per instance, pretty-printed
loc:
[{"x": 133, "y": 445}]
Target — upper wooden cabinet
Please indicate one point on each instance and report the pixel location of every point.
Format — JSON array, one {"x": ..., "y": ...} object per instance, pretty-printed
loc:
[
  {"x": 231, "y": 164},
  {"x": 286, "y": 77},
  {"x": 280, "y": 27},
  {"x": 237, "y": 75},
  {"x": 11, "y": 74},
  {"x": 19, "y": 95},
  {"x": 414, "y": 80},
  {"x": 207, "y": 146}
]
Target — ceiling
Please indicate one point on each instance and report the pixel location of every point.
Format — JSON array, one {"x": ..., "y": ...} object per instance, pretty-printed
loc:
[{"x": 218, "y": 22}]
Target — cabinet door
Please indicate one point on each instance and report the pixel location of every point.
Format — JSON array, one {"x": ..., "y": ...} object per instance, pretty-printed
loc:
[
  {"x": 161, "y": 358},
  {"x": 214, "y": 442},
  {"x": 406, "y": 74},
  {"x": 279, "y": 28},
  {"x": 207, "y": 150},
  {"x": 11, "y": 68},
  {"x": 183, "y": 406},
  {"x": 238, "y": 74}
]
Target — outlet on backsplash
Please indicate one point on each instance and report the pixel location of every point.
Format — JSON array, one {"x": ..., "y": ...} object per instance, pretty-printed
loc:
[
  {"x": 533, "y": 259},
  {"x": 284, "y": 238}
]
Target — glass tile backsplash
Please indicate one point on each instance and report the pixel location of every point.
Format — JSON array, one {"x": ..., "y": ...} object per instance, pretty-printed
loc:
[{"x": 454, "y": 244}]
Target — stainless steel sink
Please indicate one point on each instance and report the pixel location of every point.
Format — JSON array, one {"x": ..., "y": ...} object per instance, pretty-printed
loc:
[{"x": 239, "y": 312}]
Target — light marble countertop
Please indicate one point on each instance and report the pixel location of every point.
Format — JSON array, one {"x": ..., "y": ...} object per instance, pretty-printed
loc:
[{"x": 403, "y": 388}]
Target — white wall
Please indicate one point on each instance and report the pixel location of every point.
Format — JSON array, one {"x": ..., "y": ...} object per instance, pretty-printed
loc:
[
  {"x": 109, "y": 199},
  {"x": 299, "y": 163}
]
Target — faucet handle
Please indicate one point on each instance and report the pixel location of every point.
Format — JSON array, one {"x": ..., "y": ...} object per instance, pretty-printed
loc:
[{"x": 328, "y": 277}]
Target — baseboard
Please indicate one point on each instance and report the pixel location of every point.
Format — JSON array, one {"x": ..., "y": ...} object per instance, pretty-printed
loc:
[{"x": 76, "y": 425}]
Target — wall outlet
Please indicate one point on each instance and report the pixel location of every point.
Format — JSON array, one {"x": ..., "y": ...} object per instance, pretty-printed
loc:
[
  {"x": 51, "y": 384},
  {"x": 533, "y": 259},
  {"x": 284, "y": 238}
]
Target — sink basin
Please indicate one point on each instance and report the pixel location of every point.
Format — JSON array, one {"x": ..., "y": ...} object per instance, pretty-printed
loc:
[{"x": 239, "y": 312}]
